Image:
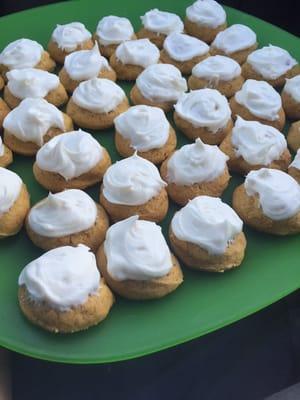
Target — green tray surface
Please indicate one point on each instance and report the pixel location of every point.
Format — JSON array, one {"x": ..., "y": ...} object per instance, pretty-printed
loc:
[{"x": 205, "y": 302}]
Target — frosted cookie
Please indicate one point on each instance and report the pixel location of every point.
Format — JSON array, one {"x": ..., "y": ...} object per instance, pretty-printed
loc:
[
  {"x": 32, "y": 123},
  {"x": 25, "y": 53},
  {"x": 111, "y": 31},
  {"x": 183, "y": 51},
  {"x": 203, "y": 113},
  {"x": 294, "y": 167},
  {"x": 63, "y": 292},
  {"x": 146, "y": 130},
  {"x": 205, "y": 19},
  {"x": 14, "y": 203},
  {"x": 290, "y": 96},
  {"x": 269, "y": 201},
  {"x": 136, "y": 262},
  {"x": 252, "y": 145},
  {"x": 2, "y": 83},
  {"x": 293, "y": 137},
  {"x": 207, "y": 235},
  {"x": 159, "y": 85},
  {"x": 68, "y": 38},
  {"x": 217, "y": 72},
  {"x": 193, "y": 170},
  {"x": 6, "y": 156},
  {"x": 237, "y": 42},
  {"x": 271, "y": 64},
  {"x": 70, "y": 217},
  {"x": 83, "y": 65},
  {"x": 72, "y": 160},
  {"x": 96, "y": 103},
  {"x": 4, "y": 110},
  {"x": 258, "y": 101},
  {"x": 132, "y": 57},
  {"x": 157, "y": 25},
  {"x": 31, "y": 82},
  {"x": 133, "y": 186}
]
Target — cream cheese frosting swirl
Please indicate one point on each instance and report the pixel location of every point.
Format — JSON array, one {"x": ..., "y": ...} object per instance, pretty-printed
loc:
[
  {"x": 206, "y": 12},
  {"x": 162, "y": 22},
  {"x": 235, "y": 38},
  {"x": 70, "y": 154},
  {"x": 136, "y": 249},
  {"x": 182, "y": 47},
  {"x": 278, "y": 192},
  {"x": 217, "y": 68},
  {"x": 64, "y": 213},
  {"x": 207, "y": 222},
  {"x": 260, "y": 98},
  {"x": 161, "y": 82},
  {"x": 292, "y": 87},
  {"x": 69, "y": 36},
  {"x": 132, "y": 181},
  {"x": 271, "y": 61},
  {"x": 31, "y": 82},
  {"x": 145, "y": 127},
  {"x": 21, "y": 53},
  {"x": 10, "y": 188},
  {"x": 296, "y": 161},
  {"x": 257, "y": 143},
  {"x": 63, "y": 277},
  {"x": 31, "y": 120},
  {"x": 114, "y": 30},
  {"x": 196, "y": 163},
  {"x": 85, "y": 64},
  {"x": 204, "y": 108},
  {"x": 139, "y": 52},
  {"x": 98, "y": 95}
]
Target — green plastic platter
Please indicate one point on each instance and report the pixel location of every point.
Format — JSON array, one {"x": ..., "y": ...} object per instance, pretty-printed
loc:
[{"x": 205, "y": 302}]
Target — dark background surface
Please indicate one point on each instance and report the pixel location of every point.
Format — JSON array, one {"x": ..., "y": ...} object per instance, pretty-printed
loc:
[
  {"x": 249, "y": 360},
  {"x": 284, "y": 13}
]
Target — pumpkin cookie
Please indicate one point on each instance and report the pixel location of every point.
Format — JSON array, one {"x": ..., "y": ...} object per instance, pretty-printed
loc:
[
  {"x": 31, "y": 82},
  {"x": 70, "y": 217},
  {"x": 271, "y": 64},
  {"x": 237, "y": 42},
  {"x": 68, "y": 38},
  {"x": 203, "y": 113},
  {"x": 133, "y": 186},
  {"x": 157, "y": 25},
  {"x": 132, "y": 57},
  {"x": 258, "y": 101},
  {"x": 72, "y": 160},
  {"x": 83, "y": 65},
  {"x": 159, "y": 85},
  {"x": 183, "y": 51},
  {"x": 217, "y": 72},
  {"x": 6, "y": 156},
  {"x": 193, "y": 170},
  {"x": 14, "y": 203},
  {"x": 111, "y": 31},
  {"x": 269, "y": 201},
  {"x": 293, "y": 137},
  {"x": 291, "y": 98},
  {"x": 25, "y": 53},
  {"x": 96, "y": 103},
  {"x": 4, "y": 110},
  {"x": 146, "y": 130},
  {"x": 144, "y": 269},
  {"x": 207, "y": 235},
  {"x": 62, "y": 291},
  {"x": 33, "y": 123},
  {"x": 252, "y": 145},
  {"x": 205, "y": 19}
]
